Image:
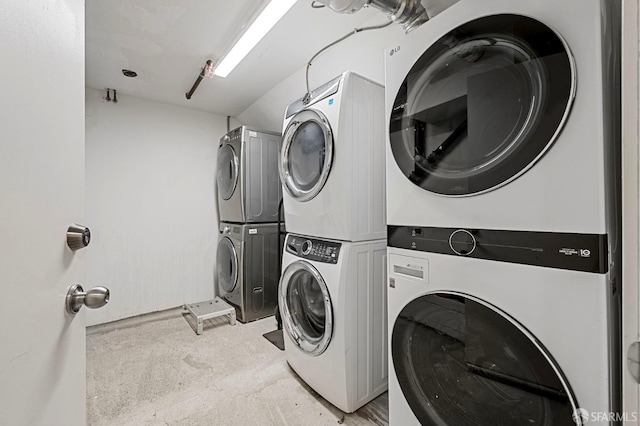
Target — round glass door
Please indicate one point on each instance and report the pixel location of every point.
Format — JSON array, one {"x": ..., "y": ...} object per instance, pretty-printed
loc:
[
  {"x": 227, "y": 171},
  {"x": 482, "y": 105},
  {"x": 306, "y": 155},
  {"x": 227, "y": 265},
  {"x": 460, "y": 361},
  {"x": 306, "y": 308}
]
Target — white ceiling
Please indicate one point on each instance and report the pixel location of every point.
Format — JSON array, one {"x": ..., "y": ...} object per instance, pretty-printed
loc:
[{"x": 167, "y": 42}]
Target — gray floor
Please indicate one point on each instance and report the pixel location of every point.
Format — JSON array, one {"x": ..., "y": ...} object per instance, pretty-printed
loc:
[{"x": 154, "y": 370}]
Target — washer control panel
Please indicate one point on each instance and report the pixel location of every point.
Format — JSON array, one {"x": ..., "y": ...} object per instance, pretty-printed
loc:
[
  {"x": 574, "y": 252},
  {"x": 313, "y": 249}
]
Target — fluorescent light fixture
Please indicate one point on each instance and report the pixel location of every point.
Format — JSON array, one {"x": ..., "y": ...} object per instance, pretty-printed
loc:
[{"x": 258, "y": 29}]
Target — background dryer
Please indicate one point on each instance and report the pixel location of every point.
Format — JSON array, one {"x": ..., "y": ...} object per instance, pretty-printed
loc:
[
  {"x": 247, "y": 179},
  {"x": 332, "y": 161}
]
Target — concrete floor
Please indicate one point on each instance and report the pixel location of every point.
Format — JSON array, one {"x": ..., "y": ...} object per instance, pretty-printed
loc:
[{"x": 154, "y": 370}]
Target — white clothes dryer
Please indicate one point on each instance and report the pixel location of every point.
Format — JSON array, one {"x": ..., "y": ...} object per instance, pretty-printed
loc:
[
  {"x": 332, "y": 161},
  {"x": 476, "y": 342},
  {"x": 332, "y": 298},
  {"x": 247, "y": 181},
  {"x": 504, "y": 114}
]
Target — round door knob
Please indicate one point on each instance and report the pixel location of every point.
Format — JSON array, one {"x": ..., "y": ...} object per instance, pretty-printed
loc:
[
  {"x": 462, "y": 242},
  {"x": 95, "y": 298}
]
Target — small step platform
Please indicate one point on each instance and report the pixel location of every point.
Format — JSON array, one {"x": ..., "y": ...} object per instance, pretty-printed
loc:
[{"x": 210, "y": 309}]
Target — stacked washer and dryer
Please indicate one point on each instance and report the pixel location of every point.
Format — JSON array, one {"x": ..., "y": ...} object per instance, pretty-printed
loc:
[
  {"x": 503, "y": 210},
  {"x": 332, "y": 294},
  {"x": 249, "y": 193}
]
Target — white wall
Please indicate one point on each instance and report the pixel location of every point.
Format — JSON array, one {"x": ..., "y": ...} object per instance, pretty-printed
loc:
[{"x": 150, "y": 204}]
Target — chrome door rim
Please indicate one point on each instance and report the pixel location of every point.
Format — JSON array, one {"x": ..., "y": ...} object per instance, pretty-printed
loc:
[
  {"x": 283, "y": 165},
  {"x": 235, "y": 168},
  {"x": 313, "y": 348},
  {"x": 227, "y": 241}
]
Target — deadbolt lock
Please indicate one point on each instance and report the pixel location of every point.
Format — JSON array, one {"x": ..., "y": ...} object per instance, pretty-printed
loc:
[{"x": 78, "y": 236}]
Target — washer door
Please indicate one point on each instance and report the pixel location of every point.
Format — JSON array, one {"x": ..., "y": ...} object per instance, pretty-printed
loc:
[
  {"x": 306, "y": 308},
  {"x": 460, "y": 361},
  {"x": 227, "y": 177},
  {"x": 227, "y": 265},
  {"x": 482, "y": 105},
  {"x": 306, "y": 154}
]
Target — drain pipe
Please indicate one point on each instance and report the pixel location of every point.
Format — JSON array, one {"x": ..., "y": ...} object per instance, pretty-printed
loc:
[{"x": 409, "y": 13}]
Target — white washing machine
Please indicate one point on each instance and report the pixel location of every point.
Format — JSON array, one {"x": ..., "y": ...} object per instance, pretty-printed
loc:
[
  {"x": 504, "y": 114},
  {"x": 332, "y": 161},
  {"x": 476, "y": 342},
  {"x": 332, "y": 298},
  {"x": 248, "y": 184}
]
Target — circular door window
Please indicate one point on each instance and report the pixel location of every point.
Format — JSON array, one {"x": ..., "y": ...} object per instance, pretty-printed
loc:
[
  {"x": 227, "y": 265},
  {"x": 306, "y": 307},
  {"x": 460, "y": 361},
  {"x": 482, "y": 105},
  {"x": 227, "y": 171},
  {"x": 306, "y": 155}
]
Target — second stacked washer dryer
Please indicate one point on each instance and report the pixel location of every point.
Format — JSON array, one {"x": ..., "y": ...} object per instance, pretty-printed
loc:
[{"x": 332, "y": 294}]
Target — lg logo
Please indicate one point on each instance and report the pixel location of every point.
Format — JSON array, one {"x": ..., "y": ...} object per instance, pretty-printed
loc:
[{"x": 394, "y": 50}]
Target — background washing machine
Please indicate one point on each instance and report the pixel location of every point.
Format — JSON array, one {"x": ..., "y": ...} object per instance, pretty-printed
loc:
[
  {"x": 504, "y": 114},
  {"x": 332, "y": 161},
  {"x": 249, "y": 189},
  {"x": 247, "y": 268},
  {"x": 494, "y": 342},
  {"x": 333, "y": 303}
]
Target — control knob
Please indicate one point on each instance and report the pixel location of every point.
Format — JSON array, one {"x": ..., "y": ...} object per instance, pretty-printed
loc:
[
  {"x": 306, "y": 247},
  {"x": 462, "y": 242}
]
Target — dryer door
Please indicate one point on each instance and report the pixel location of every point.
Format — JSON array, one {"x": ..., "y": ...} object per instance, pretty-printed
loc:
[
  {"x": 306, "y": 154},
  {"x": 227, "y": 176},
  {"x": 227, "y": 266},
  {"x": 461, "y": 361},
  {"x": 307, "y": 314},
  {"x": 482, "y": 105}
]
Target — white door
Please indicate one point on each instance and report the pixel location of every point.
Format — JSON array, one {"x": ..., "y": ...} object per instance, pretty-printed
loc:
[{"x": 42, "y": 349}]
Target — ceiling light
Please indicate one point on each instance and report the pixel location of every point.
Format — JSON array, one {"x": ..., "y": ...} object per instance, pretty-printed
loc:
[{"x": 261, "y": 26}]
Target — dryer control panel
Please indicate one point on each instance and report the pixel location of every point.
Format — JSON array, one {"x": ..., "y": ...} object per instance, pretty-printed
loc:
[
  {"x": 316, "y": 95},
  {"x": 312, "y": 249}
]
